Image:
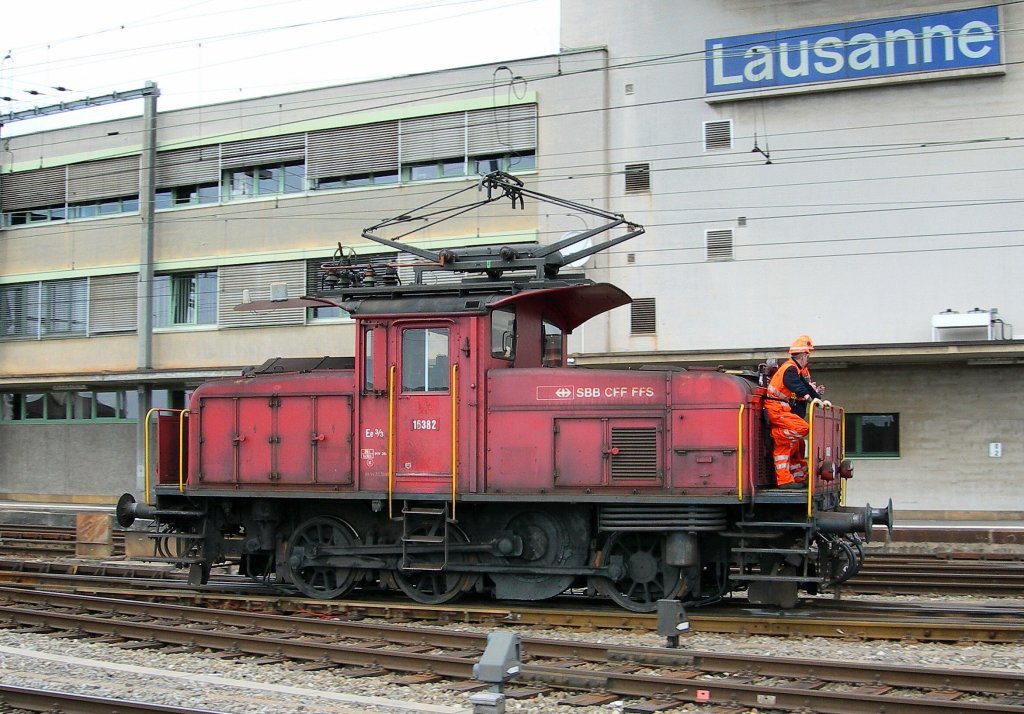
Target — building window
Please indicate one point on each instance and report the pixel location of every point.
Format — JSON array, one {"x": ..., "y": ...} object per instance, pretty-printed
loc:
[
  {"x": 265, "y": 180},
  {"x": 509, "y": 163},
  {"x": 189, "y": 195},
  {"x": 84, "y": 405},
  {"x": 103, "y": 207},
  {"x": 44, "y": 309},
  {"x": 872, "y": 435},
  {"x": 35, "y": 215},
  {"x": 638, "y": 178},
  {"x": 185, "y": 299},
  {"x": 427, "y": 170},
  {"x": 642, "y": 316},
  {"x": 377, "y": 178}
]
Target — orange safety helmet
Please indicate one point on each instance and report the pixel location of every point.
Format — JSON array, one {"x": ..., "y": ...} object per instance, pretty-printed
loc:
[{"x": 802, "y": 343}]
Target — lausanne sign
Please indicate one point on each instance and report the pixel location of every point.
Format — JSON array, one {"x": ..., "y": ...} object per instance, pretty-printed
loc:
[{"x": 855, "y": 50}]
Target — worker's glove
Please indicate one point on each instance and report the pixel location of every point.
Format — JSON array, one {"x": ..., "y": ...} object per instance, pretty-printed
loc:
[{"x": 827, "y": 404}]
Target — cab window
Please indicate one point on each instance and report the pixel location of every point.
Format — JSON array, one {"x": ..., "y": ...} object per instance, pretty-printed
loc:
[
  {"x": 503, "y": 333},
  {"x": 551, "y": 345},
  {"x": 425, "y": 359}
]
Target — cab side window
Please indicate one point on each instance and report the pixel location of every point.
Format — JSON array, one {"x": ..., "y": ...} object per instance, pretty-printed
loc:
[
  {"x": 551, "y": 345},
  {"x": 503, "y": 333},
  {"x": 425, "y": 360}
]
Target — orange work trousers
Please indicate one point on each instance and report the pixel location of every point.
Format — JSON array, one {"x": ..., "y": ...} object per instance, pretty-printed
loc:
[{"x": 788, "y": 432}]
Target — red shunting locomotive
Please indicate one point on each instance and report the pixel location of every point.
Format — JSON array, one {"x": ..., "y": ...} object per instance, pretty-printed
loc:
[{"x": 457, "y": 453}]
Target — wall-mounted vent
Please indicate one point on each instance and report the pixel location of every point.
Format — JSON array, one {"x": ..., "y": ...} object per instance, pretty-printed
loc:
[
  {"x": 629, "y": 88},
  {"x": 642, "y": 316},
  {"x": 638, "y": 177},
  {"x": 717, "y": 135},
  {"x": 718, "y": 245}
]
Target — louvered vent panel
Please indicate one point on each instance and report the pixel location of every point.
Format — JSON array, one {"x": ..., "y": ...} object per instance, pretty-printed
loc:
[
  {"x": 717, "y": 135},
  {"x": 638, "y": 177},
  {"x": 242, "y": 283},
  {"x": 109, "y": 178},
  {"x": 637, "y": 455},
  {"x": 32, "y": 189},
  {"x": 642, "y": 316},
  {"x": 353, "y": 150},
  {"x": 268, "y": 150},
  {"x": 436, "y": 137},
  {"x": 113, "y": 303},
  {"x": 719, "y": 245},
  {"x": 182, "y": 167},
  {"x": 503, "y": 129}
]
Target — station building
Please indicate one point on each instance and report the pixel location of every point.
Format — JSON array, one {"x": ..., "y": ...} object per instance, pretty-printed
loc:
[{"x": 847, "y": 171}]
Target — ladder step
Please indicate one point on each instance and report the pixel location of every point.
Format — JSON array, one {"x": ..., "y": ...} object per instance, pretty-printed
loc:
[
  {"x": 431, "y": 567},
  {"x": 425, "y": 511},
  {"x": 786, "y": 551},
  {"x": 777, "y": 578},
  {"x": 185, "y": 561},
  {"x": 423, "y": 539},
  {"x": 774, "y": 524},
  {"x": 170, "y": 536}
]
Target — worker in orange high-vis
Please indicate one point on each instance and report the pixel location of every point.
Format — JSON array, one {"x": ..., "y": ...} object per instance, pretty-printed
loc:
[{"x": 789, "y": 391}]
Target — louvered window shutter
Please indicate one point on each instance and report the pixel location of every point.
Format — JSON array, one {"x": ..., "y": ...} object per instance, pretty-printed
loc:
[
  {"x": 19, "y": 310},
  {"x": 262, "y": 152},
  {"x": 187, "y": 167},
  {"x": 113, "y": 303},
  {"x": 433, "y": 138},
  {"x": 246, "y": 283},
  {"x": 503, "y": 129},
  {"x": 109, "y": 178},
  {"x": 33, "y": 189},
  {"x": 349, "y": 151}
]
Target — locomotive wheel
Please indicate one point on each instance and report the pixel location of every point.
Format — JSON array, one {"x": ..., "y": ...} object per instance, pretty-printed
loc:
[
  {"x": 549, "y": 538},
  {"x": 646, "y": 579},
  {"x": 436, "y": 587},
  {"x": 323, "y": 582}
]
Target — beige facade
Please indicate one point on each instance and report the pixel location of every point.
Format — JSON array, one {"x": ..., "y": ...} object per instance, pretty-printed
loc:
[{"x": 853, "y": 210}]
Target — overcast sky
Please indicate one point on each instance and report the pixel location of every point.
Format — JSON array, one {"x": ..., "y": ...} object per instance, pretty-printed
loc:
[{"x": 216, "y": 50}]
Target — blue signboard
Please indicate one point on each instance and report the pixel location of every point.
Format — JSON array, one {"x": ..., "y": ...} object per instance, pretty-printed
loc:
[{"x": 854, "y": 50}]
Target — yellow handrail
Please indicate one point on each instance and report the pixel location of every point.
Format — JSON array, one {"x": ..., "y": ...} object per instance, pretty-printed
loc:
[
  {"x": 181, "y": 450},
  {"x": 455, "y": 453},
  {"x": 145, "y": 466},
  {"x": 739, "y": 453},
  {"x": 842, "y": 454},
  {"x": 811, "y": 471},
  {"x": 391, "y": 435}
]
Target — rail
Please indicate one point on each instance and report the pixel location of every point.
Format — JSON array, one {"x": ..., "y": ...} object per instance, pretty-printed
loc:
[{"x": 181, "y": 449}]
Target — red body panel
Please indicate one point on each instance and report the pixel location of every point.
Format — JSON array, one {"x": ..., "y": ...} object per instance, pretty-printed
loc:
[{"x": 289, "y": 430}]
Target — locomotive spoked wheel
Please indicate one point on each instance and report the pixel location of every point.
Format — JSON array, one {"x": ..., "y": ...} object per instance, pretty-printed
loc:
[
  {"x": 320, "y": 581},
  {"x": 646, "y": 578},
  {"x": 436, "y": 587}
]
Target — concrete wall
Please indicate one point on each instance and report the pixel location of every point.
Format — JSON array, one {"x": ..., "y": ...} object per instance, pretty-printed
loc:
[
  {"x": 948, "y": 417},
  {"x": 86, "y": 462}
]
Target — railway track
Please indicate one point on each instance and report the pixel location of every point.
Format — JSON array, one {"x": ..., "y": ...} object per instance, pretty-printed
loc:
[
  {"x": 820, "y": 617},
  {"x": 580, "y": 672},
  {"x": 40, "y": 700}
]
